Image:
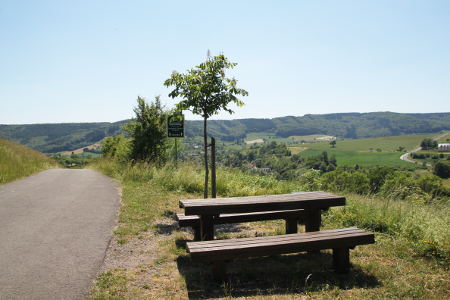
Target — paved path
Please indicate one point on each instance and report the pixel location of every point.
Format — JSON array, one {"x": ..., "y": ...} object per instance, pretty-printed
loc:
[
  {"x": 55, "y": 227},
  {"x": 407, "y": 156}
]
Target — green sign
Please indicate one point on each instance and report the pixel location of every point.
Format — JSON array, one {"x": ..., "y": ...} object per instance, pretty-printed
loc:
[{"x": 175, "y": 126}]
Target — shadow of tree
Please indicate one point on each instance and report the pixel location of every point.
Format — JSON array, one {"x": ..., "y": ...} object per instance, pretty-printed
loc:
[{"x": 274, "y": 275}]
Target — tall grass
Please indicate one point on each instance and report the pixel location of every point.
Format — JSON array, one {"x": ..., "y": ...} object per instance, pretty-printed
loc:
[
  {"x": 424, "y": 226},
  {"x": 17, "y": 161},
  {"x": 189, "y": 178}
]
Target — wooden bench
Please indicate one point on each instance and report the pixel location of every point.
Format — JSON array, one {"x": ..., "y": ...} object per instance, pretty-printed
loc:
[
  {"x": 291, "y": 217},
  {"x": 218, "y": 252}
]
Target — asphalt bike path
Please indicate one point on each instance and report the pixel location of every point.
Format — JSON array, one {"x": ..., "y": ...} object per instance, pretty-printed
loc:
[{"x": 55, "y": 227}]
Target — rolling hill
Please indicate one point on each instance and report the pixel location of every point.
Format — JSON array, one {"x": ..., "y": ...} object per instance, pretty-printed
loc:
[{"x": 51, "y": 138}]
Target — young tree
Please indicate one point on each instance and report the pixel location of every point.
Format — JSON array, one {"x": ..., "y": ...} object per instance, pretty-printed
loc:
[
  {"x": 205, "y": 91},
  {"x": 333, "y": 144},
  {"x": 148, "y": 131}
]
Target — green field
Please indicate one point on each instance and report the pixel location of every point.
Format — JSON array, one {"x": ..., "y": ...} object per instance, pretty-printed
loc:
[{"x": 365, "y": 152}]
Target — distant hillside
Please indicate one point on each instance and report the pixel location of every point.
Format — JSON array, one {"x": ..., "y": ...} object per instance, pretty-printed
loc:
[
  {"x": 17, "y": 161},
  {"x": 51, "y": 138}
]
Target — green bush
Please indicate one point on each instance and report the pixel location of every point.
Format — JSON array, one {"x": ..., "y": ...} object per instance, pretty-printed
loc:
[
  {"x": 349, "y": 181},
  {"x": 442, "y": 169}
]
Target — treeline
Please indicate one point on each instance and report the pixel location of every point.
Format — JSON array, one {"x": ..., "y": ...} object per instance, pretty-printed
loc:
[
  {"x": 50, "y": 138},
  {"x": 345, "y": 125}
]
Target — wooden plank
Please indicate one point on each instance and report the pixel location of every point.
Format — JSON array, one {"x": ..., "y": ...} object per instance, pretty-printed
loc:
[
  {"x": 270, "y": 240},
  {"x": 220, "y": 248},
  {"x": 258, "y": 199},
  {"x": 189, "y": 221},
  {"x": 296, "y": 195},
  {"x": 252, "y": 206},
  {"x": 345, "y": 242}
]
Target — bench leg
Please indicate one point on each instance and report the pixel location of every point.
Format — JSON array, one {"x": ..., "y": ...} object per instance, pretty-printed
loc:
[
  {"x": 291, "y": 225},
  {"x": 206, "y": 227},
  {"x": 341, "y": 260},
  {"x": 219, "y": 270}
]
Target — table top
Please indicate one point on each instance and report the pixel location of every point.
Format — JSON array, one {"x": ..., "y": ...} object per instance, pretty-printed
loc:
[{"x": 304, "y": 200}]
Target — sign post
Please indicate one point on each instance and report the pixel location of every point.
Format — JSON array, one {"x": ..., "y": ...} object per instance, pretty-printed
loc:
[{"x": 175, "y": 129}]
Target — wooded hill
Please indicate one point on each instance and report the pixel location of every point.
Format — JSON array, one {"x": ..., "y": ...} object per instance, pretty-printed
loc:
[{"x": 50, "y": 138}]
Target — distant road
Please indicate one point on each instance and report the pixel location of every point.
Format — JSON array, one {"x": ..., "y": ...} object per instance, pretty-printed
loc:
[
  {"x": 407, "y": 156},
  {"x": 54, "y": 230}
]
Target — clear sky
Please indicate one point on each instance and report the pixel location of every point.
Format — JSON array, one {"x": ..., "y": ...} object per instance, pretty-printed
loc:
[{"x": 87, "y": 61}]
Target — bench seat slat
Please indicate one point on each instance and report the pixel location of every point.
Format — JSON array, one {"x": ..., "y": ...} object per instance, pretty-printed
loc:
[
  {"x": 289, "y": 237},
  {"x": 189, "y": 221},
  {"x": 281, "y": 244}
]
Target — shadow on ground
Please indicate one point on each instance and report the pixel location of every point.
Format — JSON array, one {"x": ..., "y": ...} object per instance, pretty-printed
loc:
[{"x": 275, "y": 275}]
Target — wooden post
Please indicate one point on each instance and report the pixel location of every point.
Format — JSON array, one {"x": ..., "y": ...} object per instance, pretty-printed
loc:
[
  {"x": 312, "y": 223},
  {"x": 206, "y": 227},
  {"x": 312, "y": 219},
  {"x": 213, "y": 168},
  {"x": 291, "y": 225},
  {"x": 341, "y": 260},
  {"x": 176, "y": 151}
]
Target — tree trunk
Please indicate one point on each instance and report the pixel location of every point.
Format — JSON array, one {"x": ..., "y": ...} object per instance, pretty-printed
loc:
[{"x": 205, "y": 142}]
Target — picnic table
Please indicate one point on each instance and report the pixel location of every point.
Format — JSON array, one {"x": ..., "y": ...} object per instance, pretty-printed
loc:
[{"x": 311, "y": 202}]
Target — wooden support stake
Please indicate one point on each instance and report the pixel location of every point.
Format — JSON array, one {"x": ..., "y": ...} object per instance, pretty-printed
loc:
[{"x": 213, "y": 168}]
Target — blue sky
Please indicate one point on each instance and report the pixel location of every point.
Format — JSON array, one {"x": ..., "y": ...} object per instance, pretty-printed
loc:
[{"x": 87, "y": 61}]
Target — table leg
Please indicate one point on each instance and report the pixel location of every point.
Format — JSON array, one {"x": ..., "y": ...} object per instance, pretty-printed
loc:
[
  {"x": 206, "y": 227},
  {"x": 312, "y": 223},
  {"x": 291, "y": 225},
  {"x": 312, "y": 219}
]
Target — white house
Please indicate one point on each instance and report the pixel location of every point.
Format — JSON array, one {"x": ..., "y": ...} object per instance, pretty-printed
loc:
[{"x": 443, "y": 147}]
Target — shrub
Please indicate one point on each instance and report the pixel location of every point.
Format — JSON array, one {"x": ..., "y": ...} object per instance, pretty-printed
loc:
[
  {"x": 401, "y": 185},
  {"x": 340, "y": 180},
  {"x": 442, "y": 169}
]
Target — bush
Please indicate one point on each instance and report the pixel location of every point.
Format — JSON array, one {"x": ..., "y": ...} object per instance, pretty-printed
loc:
[
  {"x": 401, "y": 185},
  {"x": 117, "y": 147},
  {"x": 442, "y": 169},
  {"x": 341, "y": 180}
]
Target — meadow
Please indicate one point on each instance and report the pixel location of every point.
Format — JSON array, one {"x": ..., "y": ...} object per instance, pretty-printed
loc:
[
  {"x": 410, "y": 259},
  {"x": 365, "y": 152},
  {"x": 17, "y": 161}
]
